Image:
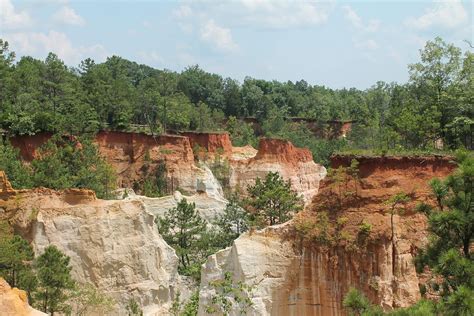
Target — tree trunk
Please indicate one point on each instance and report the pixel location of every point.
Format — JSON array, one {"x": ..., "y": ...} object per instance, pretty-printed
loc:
[
  {"x": 393, "y": 243},
  {"x": 466, "y": 244}
]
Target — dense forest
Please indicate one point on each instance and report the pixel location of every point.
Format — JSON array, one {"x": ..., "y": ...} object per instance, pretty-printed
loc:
[{"x": 435, "y": 107}]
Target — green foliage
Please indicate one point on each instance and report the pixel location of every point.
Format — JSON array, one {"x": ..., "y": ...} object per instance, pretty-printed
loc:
[
  {"x": 61, "y": 163},
  {"x": 65, "y": 163},
  {"x": 460, "y": 302},
  {"x": 231, "y": 224},
  {"x": 344, "y": 183},
  {"x": 54, "y": 281},
  {"x": 15, "y": 262},
  {"x": 240, "y": 132},
  {"x": 436, "y": 104},
  {"x": 440, "y": 191},
  {"x": 154, "y": 184},
  {"x": 356, "y": 303},
  {"x": 421, "y": 308},
  {"x": 301, "y": 136},
  {"x": 182, "y": 228},
  {"x": 229, "y": 295},
  {"x": 220, "y": 168},
  {"x": 321, "y": 229},
  {"x": 191, "y": 307},
  {"x": 18, "y": 174},
  {"x": 448, "y": 253},
  {"x": 272, "y": 201},
  {"x": 176, "y": 305},
  {"x": 87, "y": 299},
  {"x": 365, "y": 228},
  {"x": 133, "y": 308}
]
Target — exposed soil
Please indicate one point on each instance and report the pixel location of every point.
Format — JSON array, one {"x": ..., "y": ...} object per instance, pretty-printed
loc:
[{"x": 377, "y": 264}]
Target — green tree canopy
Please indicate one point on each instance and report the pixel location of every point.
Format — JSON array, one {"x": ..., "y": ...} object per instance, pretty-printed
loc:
[
  {"x": 182, "y": 227},
  {"x": 272, "y": 201},
  {"x": 54, "y": 280}
]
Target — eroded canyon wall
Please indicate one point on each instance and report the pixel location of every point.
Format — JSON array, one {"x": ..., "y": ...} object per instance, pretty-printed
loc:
[
  {"x": 134, "y": 156},
  {"x": 293, "y": 274},
  {"x": 114, "y": 245},
  {"x": 276, "y": 155}
]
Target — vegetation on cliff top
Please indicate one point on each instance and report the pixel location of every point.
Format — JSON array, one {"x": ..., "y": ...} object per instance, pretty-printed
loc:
[
  {"x": 434, "y": 107},
  {"x": 61, "y": 163}
]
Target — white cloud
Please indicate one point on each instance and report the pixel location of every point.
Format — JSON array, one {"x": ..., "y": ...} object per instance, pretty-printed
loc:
[
  {"x": 183, "y": 11},
  {"x": 356, "y": 21},
  {"x": 220, "y": 37},
  {"x": 285, "y": 14},
  {"x": 67, "y": 15},
  {"x": 10, "y": 18},
  {"x": 274, "y": 14},
  {"x": 362, "y": 28},
  {"x": 369, "y": 44},
  {"x": 445, "y": 14},
  {"x": 39, "y": 44}
]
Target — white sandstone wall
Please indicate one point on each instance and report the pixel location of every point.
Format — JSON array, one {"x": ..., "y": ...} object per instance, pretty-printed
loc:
[
  {"x": 114, "y": 245},
  {"x": 260, "y": 260}
]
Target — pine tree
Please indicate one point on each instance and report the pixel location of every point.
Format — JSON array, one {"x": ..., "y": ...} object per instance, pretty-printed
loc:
[
  {"x": 16, "y": 256},
  {"x": 272, "y": 201},
  {"x": 182, "y": 228},
  {"x": 451, "y": 224},
  {"x": 231, "y": 224},
  {"x": 54, "y": 280}
]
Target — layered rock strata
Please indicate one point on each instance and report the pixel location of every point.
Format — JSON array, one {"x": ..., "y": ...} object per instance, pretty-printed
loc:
[
  {"x": 208, "y": 206},
  {"x": 134, "y": 156},
  {"x": 114, "y": 245},
  {"x": 295, "y": 274},
  {"x": 275, "y": 155}
]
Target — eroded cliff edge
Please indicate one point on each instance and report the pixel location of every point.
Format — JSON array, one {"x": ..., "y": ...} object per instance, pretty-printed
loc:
[
  {"x": 306, "y": 266},
  {"x": 136, "y": 155},
  {"x": 113, "y": 245}
]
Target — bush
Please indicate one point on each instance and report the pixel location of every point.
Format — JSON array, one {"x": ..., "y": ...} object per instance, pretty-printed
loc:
[
  {"x": 68, "y": 163},
  {"x": 18, "y": 174}
]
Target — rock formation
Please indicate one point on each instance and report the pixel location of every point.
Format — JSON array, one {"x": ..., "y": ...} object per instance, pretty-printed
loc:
[
  {"x": 136, "y": 155},
  {"x": 14, "y": 302},
  {"x": 275, "y": 155},
  {"x": 133, "y": 156},
  {"x": 261, "y": 260},
  {"x": 295, "y": 275},
  {"x": 211, "y": 143},
  {"x": 114, "y": 245},
  {"x": 208, "y": 206}
]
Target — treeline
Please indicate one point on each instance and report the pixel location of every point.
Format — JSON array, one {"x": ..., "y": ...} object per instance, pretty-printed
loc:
[{"x": 436, "y": 105}]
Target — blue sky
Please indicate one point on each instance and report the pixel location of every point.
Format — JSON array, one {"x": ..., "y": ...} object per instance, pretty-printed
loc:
[{"x": 332, "y": 43}]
